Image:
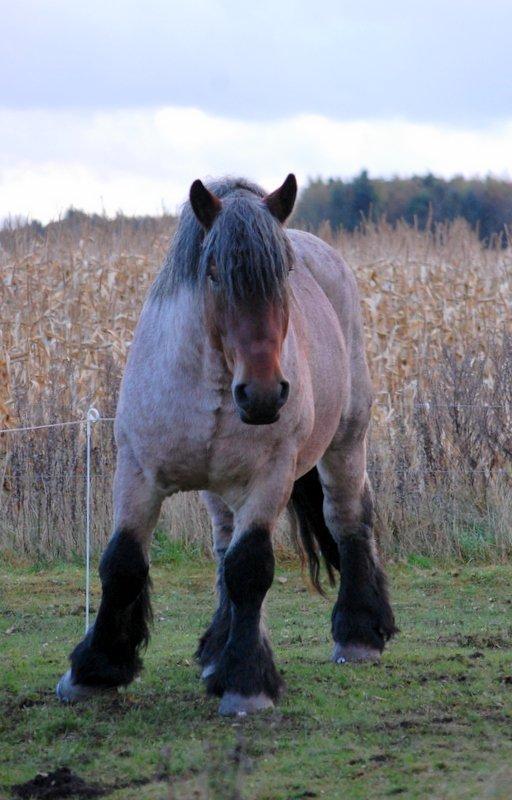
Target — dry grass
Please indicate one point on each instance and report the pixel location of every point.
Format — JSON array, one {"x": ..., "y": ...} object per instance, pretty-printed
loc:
[{"x": 437, "y": 309}]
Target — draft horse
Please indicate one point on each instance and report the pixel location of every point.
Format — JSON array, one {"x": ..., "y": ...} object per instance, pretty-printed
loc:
[{"x": 246, "y": 380}]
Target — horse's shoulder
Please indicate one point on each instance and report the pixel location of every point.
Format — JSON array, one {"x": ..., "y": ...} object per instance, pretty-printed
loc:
[{"x": 326, "y": 265}]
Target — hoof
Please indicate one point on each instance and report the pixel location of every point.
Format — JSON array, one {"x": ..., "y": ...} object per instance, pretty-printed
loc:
[
  {"x": 354, "y": 653},
  {"x": 234, "y": 704},
  {"x": 69, "y": 692},
  {"x": 208, "y": 670}
]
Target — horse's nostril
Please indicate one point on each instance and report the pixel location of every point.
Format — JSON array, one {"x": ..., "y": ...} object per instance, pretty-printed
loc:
[
  {"x": 240, "y": 393},
  {"x": 285, "y": 391}
]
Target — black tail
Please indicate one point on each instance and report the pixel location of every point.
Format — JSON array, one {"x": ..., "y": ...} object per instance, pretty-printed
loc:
[{"x": 307, "y": 503}]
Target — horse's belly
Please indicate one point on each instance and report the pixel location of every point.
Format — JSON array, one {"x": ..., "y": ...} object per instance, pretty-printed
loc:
[{"x": 328, "y": 410}]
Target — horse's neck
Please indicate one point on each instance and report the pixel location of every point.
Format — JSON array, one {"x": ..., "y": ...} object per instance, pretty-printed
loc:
[{"x": 176, "y": 327}]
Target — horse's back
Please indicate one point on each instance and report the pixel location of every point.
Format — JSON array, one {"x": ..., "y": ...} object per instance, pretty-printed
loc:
[{"x": 332, "y": 274}]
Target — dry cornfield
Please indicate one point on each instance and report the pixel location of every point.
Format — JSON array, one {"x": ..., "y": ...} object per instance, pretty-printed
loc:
[{"x": 438, "y": 322}]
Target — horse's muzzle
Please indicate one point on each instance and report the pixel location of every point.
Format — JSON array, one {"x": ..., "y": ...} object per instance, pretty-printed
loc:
[{"x": 260, "y": 407}]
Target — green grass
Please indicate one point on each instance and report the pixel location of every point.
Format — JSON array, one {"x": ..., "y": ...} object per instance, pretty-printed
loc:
[{"x": 433, "y": 721}]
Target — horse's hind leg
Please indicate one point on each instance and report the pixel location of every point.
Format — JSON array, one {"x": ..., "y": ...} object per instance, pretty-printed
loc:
[
  {"x": 362, "y": 619},
  {"x": 108, "y": 656},
  {"x": 214, "y": 639}
]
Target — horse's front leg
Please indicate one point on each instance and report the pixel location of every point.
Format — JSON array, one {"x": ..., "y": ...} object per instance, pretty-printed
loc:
[
  {"x": 245, "y": 676},
  {"x": 109, "y": 656},
  {"x": 214, "y": 639}
]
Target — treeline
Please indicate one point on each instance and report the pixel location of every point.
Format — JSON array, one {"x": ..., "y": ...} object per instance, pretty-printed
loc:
[
  {"x": 77, "y": 223},
  {"x": 420, "y": 200}
]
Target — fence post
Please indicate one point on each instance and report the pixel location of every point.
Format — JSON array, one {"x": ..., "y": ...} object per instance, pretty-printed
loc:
[{"x": 93, "y": 415}]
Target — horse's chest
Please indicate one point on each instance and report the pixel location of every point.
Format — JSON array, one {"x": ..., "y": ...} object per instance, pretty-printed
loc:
[
  {"x": 236, "y": 456},
  {"x": 169, "y": 431},
  {"x": 210, "y": 450},
  {"x": 182, "y": 453}
]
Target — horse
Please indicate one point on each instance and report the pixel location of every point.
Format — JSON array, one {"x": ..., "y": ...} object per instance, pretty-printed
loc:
[{"x": 246, "y": 380}]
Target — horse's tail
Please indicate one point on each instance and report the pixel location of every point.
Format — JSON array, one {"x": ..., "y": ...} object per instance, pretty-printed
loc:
[{"x": 306, "y": 505}]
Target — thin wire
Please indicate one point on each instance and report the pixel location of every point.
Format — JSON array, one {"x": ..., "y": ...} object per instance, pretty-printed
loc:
[
  {"x": 429, "y": 405},
  {"x": 53, "y": 425},
  {"x": 40, "y": 427},
  {"x": 386, "y": 406}
]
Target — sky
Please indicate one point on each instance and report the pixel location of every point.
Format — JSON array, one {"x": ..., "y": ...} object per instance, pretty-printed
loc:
[{"x": 120, "y": 105}]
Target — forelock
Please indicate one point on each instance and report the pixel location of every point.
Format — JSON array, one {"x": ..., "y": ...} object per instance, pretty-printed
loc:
[{"x": 251, "y": 250}]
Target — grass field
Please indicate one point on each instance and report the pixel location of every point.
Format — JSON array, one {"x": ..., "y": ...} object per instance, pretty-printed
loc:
[{"x": 434, "y": 720}]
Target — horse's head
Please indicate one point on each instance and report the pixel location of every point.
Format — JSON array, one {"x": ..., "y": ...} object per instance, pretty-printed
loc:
[{"x": 246, "y": 258}]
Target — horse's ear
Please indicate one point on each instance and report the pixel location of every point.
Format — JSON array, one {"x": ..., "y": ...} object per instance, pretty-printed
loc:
[
  {"x": 204, "y": 204},
  {"x": 280, "y": 203}
]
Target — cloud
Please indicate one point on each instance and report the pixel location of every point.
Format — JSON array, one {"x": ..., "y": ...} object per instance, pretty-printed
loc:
[{"x": 141, "y": 160}]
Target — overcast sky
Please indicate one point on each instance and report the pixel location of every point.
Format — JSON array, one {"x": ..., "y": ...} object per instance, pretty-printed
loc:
[{"x": 121, "y": 104}]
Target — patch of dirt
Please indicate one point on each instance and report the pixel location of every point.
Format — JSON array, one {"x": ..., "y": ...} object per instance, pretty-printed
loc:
[
  {"x": 12, "y": 705},
  {"x": 479, "y": 641},
  {"x": 58, "y": 784},
  {"x": 418, "y": 724},
  {"x": 30, "y": 702},
  {"x": 381, "y": 758}
]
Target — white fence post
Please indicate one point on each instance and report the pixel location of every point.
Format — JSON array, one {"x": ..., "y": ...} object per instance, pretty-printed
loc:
[{"x": 93, "y": 415}]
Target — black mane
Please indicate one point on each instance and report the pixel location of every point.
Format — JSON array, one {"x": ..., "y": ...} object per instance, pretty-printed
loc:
[{"x": 249, "y": 247}]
